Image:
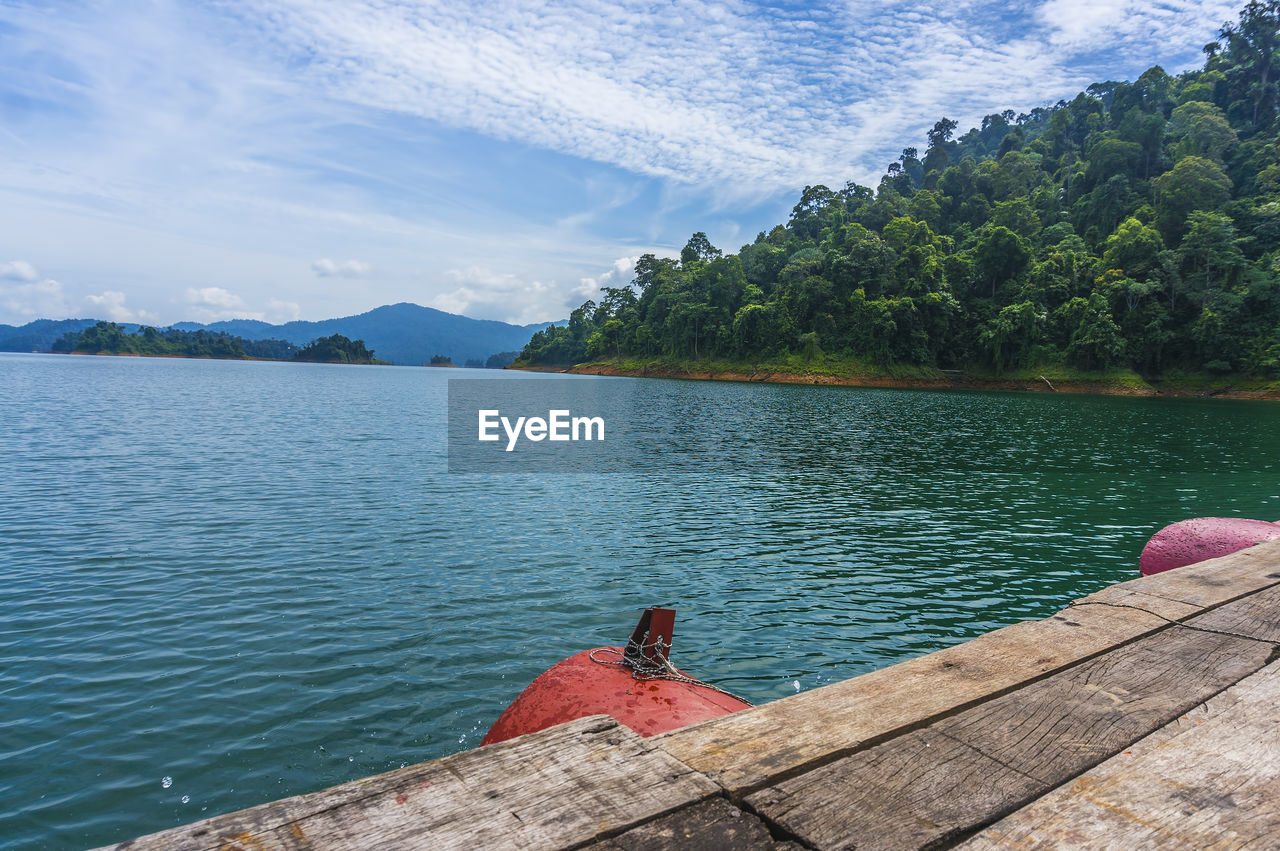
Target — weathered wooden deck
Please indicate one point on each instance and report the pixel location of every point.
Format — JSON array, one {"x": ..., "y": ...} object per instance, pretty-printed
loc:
[{"x": 1147, "y": 714}]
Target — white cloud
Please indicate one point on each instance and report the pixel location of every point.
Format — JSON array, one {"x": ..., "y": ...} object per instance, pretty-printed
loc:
[
  {"x": 1132, "y": 24},
  {"x": 210, "y": 304},
  {"x": 326, "y": 268},
  {"x": 717, "y": 93},
  {"x": 484, "y": 294},
  {"x": 28, "y": 300},
  {"x": 618, "y": 275},
  {"x": 110, "y": 303},
  {"x": 35, "y": 298},
  {"x": 279, "y": 311},
  {"x": 18, "y": 270},
  {"x": 215, "y": 297},
  {"x": 252, "y": 138}
]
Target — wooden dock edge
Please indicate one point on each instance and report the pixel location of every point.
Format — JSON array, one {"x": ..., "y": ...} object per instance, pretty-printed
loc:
[
  {"x": 1209, "y": 779},
  {"x": 760, "y": 778}
]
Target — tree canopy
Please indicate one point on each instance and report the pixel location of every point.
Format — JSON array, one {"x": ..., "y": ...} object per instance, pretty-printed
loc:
[
  {"x": 335, "y": 349},
  {"x": 1135, "y": 225},
  {"x": 111, "y": 338}
]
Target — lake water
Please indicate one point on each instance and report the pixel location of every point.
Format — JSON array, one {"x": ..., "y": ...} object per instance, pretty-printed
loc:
[{"x": 223, "y": 583}]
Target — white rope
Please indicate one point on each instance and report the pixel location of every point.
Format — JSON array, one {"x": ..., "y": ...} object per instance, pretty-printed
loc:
[{"x": 653, "y": 667}]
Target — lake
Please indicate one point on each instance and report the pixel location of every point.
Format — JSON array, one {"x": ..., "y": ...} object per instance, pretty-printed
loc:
[{"x": 229, "y": 582}]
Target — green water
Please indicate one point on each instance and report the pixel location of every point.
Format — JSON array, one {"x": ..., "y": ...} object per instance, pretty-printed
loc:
[{"x": 254, "y": 580}]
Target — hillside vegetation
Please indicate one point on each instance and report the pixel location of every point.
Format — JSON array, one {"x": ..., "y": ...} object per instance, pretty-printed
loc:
[
  {"x": 109, "y": 338},
  {"x": 113, "y": 339},
  {"x": 400, "y": 333},
  {"x": 1135, "y": 227}
]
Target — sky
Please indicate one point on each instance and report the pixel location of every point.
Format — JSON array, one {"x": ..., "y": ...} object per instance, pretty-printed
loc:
[{"x": 168, "y": 160}]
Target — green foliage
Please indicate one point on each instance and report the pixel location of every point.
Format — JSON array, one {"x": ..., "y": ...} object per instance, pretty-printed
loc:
[
  {"x": 1096, "y": 342},
  {"x": 501, "y": 360},
  {"x": 1199, "y": 129},
  {"x": 1135, "y": 227},
  {"x": 338, "y": 349},
  {"x": 1009, "y": 337},
  {"x": 1195, "y": 183},
  {"x": 110, "y": 338},
  {"x": 1134, "y": 249}
]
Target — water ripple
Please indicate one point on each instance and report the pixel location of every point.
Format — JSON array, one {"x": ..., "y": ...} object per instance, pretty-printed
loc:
[{"x": 257, "y": 580}]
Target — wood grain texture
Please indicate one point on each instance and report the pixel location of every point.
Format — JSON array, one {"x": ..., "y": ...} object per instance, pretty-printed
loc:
[
  {"x": 756, "y": 747},
  {"x": 1212, "y": 780},
  {"x": 943, "y": 744},
  {"x": 916, "y": 790},
  {"x": 1256, "y": 616},
  {"x": 750, "y": 749},
  {"x": 565, "y": 786},
  {"x": 970, "y": 769},
  {"x": 713, "y": 825},
  {"x": 1057, "y": 728},
  {"x": 1207, "y": 584},
  {"x": 1126, "y": 597}
]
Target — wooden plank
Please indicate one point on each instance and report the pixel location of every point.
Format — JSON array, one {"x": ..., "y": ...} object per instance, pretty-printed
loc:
[
  {"x": 565, "y": 786},
  {"x": 1207, "y": 584},
  {"x": 1126, "y": 597},
  {"x": 756, "y": 747},
  {"x": 1210, "y": 782},
  {"x": 713, "y": 825},
  {"x": 1256, "y": 616},
  {"x": 1057, "y": 728},
  {"x": 970, "y": 769},
  {"x": 576, "y": 784},
  {"x": 916, "y": 790}
]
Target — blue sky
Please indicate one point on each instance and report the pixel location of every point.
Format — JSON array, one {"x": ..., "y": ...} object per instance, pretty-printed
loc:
[{"x": 163, "y": 160}]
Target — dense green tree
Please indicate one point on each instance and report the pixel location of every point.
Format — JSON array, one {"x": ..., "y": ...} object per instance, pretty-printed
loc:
[
  {"x": 499, "y": 360},
  {"x": 1009, "y": 337},
  {"x": 698, "y": 249},
  {"x": 1134, "y": 249},
  {"x": 1136, "y": 224},
  {"x": 1199, "y": 129},
  {"x": 1096, "y": 342},
  {"x": 338, "y": 349},
  {"x": 1210, "y": 255},
  {"x": 111, "y": 338},
  {"x": 1000, "y": 256},
  {"x": 1250, "y": 62},
  {"x": 1195, "y": 183}
]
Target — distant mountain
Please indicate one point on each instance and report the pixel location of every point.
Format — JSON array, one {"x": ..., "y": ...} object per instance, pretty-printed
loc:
[
  {"x": 39, "y": 335},
  {"x": 401, "y": 333}
]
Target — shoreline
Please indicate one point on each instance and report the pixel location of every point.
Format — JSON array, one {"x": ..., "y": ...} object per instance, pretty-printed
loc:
[
  {"x": 205, "y": 357},
  {"x": 943, "y": 381}
]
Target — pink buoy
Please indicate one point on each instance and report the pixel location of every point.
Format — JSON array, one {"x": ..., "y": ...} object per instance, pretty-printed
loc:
[{"x": 1189, "y": 541}]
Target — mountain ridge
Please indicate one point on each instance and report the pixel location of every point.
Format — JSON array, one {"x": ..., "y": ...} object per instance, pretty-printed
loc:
[{"x": 402, "y": 333}]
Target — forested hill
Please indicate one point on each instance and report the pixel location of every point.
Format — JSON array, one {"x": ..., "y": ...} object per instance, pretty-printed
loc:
[
  {"x": 1136, "y": 225},
  {"x": 401, "y": 333}
]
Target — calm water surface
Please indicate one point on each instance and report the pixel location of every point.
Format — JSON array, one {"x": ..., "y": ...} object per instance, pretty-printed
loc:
[{"x": 225, "y": 582}]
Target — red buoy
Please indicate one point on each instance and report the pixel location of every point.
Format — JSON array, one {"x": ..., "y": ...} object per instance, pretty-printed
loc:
[
  {"x": 637, "y": 685},
  {"x": 1190, "y": 541}
]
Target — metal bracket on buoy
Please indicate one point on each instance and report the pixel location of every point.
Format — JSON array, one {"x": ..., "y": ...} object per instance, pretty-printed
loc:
[{"x": 651, "y": 641}]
